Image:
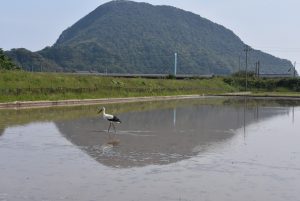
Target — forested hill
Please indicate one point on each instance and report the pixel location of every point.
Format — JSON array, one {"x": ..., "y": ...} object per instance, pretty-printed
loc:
[{"x": 130, "y": 37}]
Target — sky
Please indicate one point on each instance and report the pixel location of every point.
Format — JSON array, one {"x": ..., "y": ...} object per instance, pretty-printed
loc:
[{"x": 272, "y": 26}]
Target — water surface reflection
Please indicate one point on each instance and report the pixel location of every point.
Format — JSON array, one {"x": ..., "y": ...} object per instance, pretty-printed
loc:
[
  {"x": 213, "y": 149},
  {"x": 163, "y": 136}
]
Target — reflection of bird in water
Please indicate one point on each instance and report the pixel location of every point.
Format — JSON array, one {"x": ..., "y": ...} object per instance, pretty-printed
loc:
[
  {"x": 112, "y": 119},
  {"x": 113, "y": 142}
]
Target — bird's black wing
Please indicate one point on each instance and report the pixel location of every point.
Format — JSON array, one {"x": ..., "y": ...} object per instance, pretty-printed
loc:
[{"x": 115, "y": 119}]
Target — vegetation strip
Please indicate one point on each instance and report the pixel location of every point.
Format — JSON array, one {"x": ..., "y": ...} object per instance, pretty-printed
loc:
[
  {"x": 56, "y": 89},
  {"x": 24, "y": 86}
]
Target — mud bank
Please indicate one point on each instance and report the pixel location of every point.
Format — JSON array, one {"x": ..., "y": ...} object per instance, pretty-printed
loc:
[{"x": 36, "y": 104}]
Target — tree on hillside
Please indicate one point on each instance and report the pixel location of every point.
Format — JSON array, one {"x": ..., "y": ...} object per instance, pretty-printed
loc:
[{"x": 6, "y": 63}]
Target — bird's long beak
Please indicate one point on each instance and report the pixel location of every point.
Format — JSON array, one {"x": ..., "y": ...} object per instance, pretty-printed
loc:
[{"x": 100, "y": 111}]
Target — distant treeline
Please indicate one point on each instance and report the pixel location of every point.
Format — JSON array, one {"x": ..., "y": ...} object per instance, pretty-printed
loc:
[{"x": 6, "y": 63}]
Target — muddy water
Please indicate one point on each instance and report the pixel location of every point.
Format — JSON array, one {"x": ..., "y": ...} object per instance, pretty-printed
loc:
[{"x": 205, "y": 149}]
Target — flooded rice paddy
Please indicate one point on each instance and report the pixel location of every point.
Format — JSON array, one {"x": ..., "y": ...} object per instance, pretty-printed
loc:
[{"x": 199, "y": 149}]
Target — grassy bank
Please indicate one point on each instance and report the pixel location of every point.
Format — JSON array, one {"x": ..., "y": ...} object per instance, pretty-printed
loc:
[
  {"x": 265, "y": 86},
  {"x": 24, "y": 86}
]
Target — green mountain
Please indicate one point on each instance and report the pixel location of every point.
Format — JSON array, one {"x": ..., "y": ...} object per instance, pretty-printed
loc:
[{"x": 129, "y": 37}]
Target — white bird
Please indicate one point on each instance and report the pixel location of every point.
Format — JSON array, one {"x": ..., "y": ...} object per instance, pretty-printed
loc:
[{"x": 111, "y": 118}]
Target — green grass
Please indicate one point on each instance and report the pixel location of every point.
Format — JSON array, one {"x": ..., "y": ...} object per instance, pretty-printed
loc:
[{"x": 25, "y": 86}]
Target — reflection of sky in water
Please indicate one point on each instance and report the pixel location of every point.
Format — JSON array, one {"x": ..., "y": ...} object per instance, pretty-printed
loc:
[{"x": 222, "y": 160}]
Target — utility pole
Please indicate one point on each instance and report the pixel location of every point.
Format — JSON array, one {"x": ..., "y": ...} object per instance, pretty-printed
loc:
[
  {"x": 246, "y": 50},
  {"x": 239, "y": 63},
  {"x": 255, "y": 69},
  {"x": 295, "y": 69},
  {"x": 175, "y": 65},
  {"x": 258, "y": 68}
]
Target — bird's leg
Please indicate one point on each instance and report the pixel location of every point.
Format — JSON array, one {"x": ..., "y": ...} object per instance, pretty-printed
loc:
[
  {"x": 114, "y": 127},
  {"x": 109, "y": 126}
]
